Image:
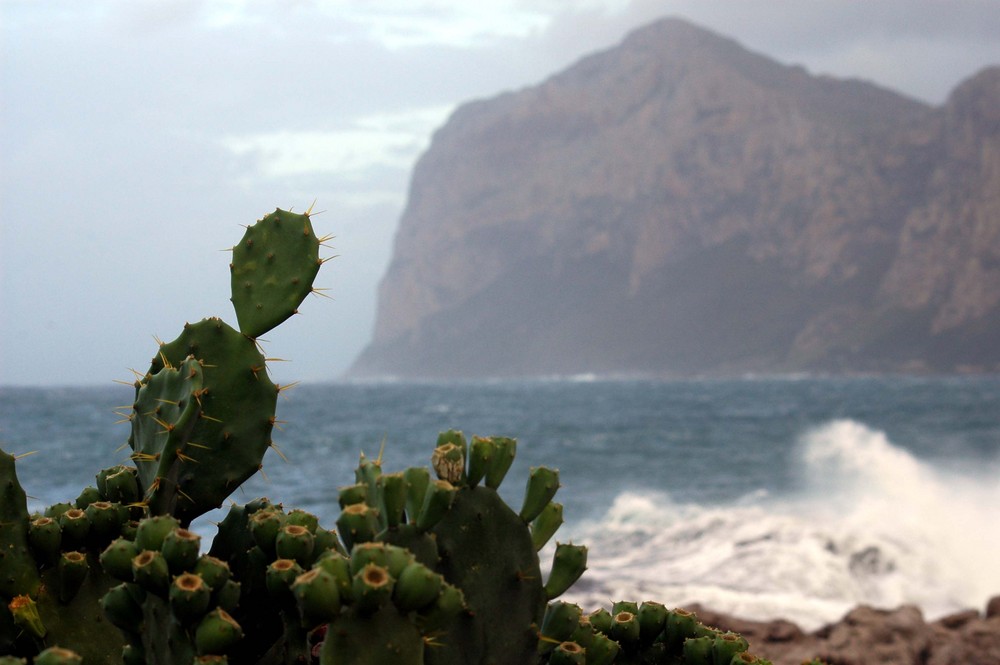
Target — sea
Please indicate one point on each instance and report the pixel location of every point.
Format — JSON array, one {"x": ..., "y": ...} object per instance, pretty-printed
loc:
[{"x": 765, "y": 497}]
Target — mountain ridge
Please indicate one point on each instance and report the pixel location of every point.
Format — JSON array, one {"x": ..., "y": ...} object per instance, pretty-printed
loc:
[{"x": 679, "y": 205}]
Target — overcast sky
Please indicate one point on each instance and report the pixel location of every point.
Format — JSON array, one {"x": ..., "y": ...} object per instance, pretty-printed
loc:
[{"x": 137, "y": 136}]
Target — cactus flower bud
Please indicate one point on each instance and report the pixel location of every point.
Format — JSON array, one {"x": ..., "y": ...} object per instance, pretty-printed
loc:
[{"x": 25, "y": 613}]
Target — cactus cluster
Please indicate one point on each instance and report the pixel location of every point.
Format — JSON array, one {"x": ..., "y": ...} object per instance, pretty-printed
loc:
[
  {"x": 51, "y": 579},
  {"x": 426, "y": 565}
]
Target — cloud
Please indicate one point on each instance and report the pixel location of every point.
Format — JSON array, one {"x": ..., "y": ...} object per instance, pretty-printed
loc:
[{"x": 392, "y": 140}]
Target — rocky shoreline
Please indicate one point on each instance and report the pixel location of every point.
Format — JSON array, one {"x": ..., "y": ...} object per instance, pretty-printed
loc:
[{"x": 869, "y": 636}]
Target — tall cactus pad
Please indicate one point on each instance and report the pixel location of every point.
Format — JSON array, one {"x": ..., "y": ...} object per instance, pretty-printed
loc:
[
  {"x": 273, "y": 269},
  {"x": 486, "y": 551},
  {"x": 233, "y": 431},
  {"x": 18, "y": 573}
]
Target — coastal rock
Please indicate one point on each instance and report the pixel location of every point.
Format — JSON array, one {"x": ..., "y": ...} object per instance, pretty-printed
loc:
[
  {"x": 680, "y": 205},
  {"x": 867, "y": 636}
]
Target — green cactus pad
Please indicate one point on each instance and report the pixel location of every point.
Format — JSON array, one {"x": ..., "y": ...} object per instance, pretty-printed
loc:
[
  {"x": 18, "y": 572},
  {"x": 228, "y": 441},
  {"x": 486, "y": 551},
  {"x": 383, "y": 638},
  {"x": 273, "y": 269}
]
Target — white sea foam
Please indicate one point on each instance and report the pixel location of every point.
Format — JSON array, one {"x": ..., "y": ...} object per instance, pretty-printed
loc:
[{"x": 871, "y": 524}]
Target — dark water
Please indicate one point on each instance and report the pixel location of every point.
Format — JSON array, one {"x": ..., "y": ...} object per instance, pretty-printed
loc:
[{"x": 819, "y": 473}]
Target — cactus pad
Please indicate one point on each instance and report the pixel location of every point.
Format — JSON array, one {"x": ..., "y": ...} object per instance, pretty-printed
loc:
[
  {"x": 273, "y": 269},
  {"x": 228, "y": 440}
]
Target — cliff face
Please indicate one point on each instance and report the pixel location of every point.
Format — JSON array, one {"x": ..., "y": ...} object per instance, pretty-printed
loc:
[{"x": 680, "y": 205}]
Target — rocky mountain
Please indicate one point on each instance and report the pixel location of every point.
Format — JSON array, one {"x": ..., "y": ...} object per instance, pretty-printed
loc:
[{"x": 680, "y": 205}]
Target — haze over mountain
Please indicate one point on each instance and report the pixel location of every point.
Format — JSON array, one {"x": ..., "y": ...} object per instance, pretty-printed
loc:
[{"x": 679, "y": 205}]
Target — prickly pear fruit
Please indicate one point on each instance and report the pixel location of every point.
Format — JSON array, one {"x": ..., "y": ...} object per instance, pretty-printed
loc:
[
  {"x": 545, "y": 525},
  {"x": 543, "y": 483},
  {"x": 372, "y": 588},
  {"x": 568, "y": 653},
  {"x": 295, "y": 542},
  {"x": 216, "y": 633},
  {"x": 503, "y": 456},
  {"x": 698, "y": 650},
  {"x": 568, "y": 565},
  {"x": 58, "y": 656},
  {"x": 280, "y": 575},
  {"x": 45, "y": 536},
  {"x": 122, "y": 609},
  {"x": 317, "y": 597},
  {"x": 438, "y": 499},
  {"x": 560, "y": 621},
  {"x": 181, "y": 549},
  {"x": 480, "y": 453},
  {"x": 71, "y": 570},
  {"x": 652, "y": 621},
  {"x": 189, "y": 597},
  {"x": 726, "y": 646},
  {"x": 116, "y": 559},
  {"x": 150, "y": 571},
  {"x": 416, "y": 587},
  {"x": 358, "y": 523},
  {"x": 152, "y": 531}
]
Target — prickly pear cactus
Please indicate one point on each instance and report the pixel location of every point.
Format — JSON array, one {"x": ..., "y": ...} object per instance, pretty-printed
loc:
[
  {"x": 205, "y": 410},
  {"x": 51, "y": 580}
]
